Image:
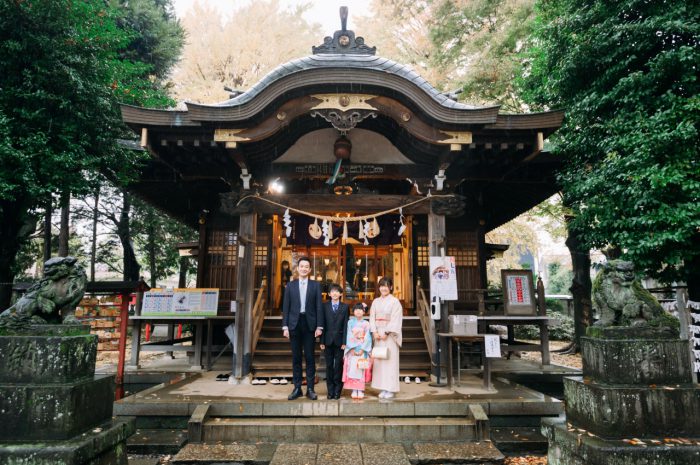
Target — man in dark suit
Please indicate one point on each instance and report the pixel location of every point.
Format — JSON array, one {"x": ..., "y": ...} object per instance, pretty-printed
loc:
[
  {"x": 335, "y": 315},
  {"x": 302, "y": 323}
]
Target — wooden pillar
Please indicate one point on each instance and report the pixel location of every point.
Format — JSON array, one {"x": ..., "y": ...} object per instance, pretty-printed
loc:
[
  {"x": 245, "y": 293},
  {"x": 202, "y": 250},
  {"x": 437, "y": 246}
]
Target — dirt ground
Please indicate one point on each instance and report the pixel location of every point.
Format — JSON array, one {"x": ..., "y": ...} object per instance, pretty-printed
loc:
[{"x": 573, "y": 361}]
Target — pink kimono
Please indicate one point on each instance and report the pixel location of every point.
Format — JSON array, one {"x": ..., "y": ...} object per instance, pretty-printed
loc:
[{"x": 358, "y": 347}]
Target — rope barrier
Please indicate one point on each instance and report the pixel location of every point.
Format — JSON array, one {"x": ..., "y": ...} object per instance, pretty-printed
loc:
[{"x": 346, "y": 219}]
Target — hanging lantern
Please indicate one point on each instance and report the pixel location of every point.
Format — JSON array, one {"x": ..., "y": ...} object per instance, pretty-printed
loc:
[{"x": 342, "y": 148}]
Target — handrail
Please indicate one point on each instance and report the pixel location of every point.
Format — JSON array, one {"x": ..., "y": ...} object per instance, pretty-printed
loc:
[
  {"x": 426, "y": 322},
  {"x": 258, "y": 313}
]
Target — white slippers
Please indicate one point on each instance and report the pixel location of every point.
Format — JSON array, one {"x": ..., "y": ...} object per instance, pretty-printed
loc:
[
  {"x": 417, "y": 380},
  {"x": 274, "y": 381},
  {"x": 284, "y": 381},
  {"x": 258, "y": 381},
  {"x": 407, "y": 380}
]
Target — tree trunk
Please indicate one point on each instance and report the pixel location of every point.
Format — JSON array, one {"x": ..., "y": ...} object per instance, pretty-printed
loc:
[
  {"x": 93, "y": 245},
  {"x": 47, "y": 232},
  {"x": 64, "y": 233},
  {"x": 16, "y": 225},
  {"x": 152, "y": 252},
  {"x": 131, "y": 265},
  {"x": 580, "y": 286},
  {"x": 184, "y": 267}
]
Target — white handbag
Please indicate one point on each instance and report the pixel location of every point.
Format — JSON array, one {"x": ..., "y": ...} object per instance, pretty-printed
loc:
[{"x": 380, "y": 353}]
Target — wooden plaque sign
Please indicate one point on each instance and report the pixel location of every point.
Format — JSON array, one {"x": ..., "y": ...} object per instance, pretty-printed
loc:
[{"x": 518, "y": 293}]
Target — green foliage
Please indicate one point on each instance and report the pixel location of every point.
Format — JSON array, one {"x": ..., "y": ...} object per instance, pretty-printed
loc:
[
  {"x": 482, "y": 39},
  {"x": 626, "y": 74},
  {"x": 563, "y": 332},
  {"x": 155, "y": 237},
  {"x": 559, "y": 280}
]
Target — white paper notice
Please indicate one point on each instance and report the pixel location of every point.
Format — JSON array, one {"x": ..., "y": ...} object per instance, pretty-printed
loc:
[
  {"x": 443, "y": 278},
  {"x": 492, "y": 343}
]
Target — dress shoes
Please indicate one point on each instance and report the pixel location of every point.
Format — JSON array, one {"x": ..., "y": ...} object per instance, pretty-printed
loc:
[
  {"x": 296, "y": 393},
  {"x": 310, "y": 394}
]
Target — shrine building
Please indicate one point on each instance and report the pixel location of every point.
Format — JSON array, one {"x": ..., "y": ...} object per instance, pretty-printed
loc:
[{"x": 355, "y": 161}]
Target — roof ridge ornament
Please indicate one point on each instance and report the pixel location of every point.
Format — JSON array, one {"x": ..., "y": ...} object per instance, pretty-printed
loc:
[{"x": 343, "y": 41}]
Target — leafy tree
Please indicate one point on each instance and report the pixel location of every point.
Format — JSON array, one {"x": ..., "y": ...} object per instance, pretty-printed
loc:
[
  {"x": 239, "y": 49},
  {"x": 66, "y": 66},
  {"x": 626, "y": 73},
  {"x": 57, "y": 109},
  {"x": 479, "y": 44},
  {"x": 156, "y": 236},
  {"x": 559, "y": 279}
]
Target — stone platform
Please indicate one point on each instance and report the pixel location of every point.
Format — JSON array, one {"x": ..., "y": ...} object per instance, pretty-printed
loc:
[{"x": 341, "y": 454}]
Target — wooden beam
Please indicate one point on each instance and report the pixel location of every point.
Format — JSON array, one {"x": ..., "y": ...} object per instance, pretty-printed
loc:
[
  {"x": 539, "y": 146},
  {"x": 144, "y": 137}
]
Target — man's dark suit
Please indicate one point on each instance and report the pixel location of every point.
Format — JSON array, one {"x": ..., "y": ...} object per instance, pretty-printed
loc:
[
  {"x": 333, "y": 338},
  {"x": 302, "y": 328}
]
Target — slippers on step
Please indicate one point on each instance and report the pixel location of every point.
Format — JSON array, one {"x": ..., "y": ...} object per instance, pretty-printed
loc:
[
  {"x": 284, "y": 381},
  {"x": 274, "y": 381}
]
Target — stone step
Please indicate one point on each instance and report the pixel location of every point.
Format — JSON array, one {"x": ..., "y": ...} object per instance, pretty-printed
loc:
[
  {"x": 337, "y": 430},
  {"x": 156, "y": 441},
  {"x": 340, "y": 409},
  {"x": 519, "y": 439},
  {"x": 342, "y": 454}
]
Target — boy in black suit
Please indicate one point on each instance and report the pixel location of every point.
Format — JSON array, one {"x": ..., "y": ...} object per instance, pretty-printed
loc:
[{"x": 335, "y": 315}]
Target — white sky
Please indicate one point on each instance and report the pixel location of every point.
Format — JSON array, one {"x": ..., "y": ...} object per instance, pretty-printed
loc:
[{"x": 324, "y": 12}]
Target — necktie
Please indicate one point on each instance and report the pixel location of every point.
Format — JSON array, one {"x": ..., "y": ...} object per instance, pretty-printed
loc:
[
  {"x": 302, "y": 295},
  {"x": 335, "y": 308}
]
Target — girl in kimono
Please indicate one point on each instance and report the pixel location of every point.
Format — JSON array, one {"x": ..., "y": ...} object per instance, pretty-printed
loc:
[
  {"x": 358, "y": 345},
  {"x": 385, "y": 319}
]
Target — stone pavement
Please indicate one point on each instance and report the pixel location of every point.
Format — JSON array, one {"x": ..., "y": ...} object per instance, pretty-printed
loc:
[{"x": 341, "y": 454}]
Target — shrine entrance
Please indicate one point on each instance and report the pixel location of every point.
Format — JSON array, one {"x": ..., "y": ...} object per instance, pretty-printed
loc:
[{"x": 354, "y": 266}]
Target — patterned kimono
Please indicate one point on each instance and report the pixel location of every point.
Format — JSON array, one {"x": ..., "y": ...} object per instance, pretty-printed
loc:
[
  {"x": 386, "y": 317},
  {"x": 358, "y": 346}
]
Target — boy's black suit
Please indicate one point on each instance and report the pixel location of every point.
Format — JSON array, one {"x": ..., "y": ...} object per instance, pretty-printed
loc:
[{"x": 336, "y": 327}]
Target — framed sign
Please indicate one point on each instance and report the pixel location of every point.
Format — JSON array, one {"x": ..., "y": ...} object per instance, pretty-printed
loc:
[
  {"x": 180, "y": 302},
  {"x": 518, "y": 293}
]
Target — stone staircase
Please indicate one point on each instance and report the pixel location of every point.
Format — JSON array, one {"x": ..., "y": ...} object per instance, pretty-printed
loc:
[
  {"x": 345, "y": 422},
  {"x": 273, "y": 358}
]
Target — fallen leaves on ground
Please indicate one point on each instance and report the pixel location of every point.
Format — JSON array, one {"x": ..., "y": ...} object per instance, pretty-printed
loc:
[{"x": 526, "y": 460}]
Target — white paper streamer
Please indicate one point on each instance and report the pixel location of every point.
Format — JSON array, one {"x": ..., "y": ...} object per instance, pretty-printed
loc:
[{"x": 287, "y": 221}]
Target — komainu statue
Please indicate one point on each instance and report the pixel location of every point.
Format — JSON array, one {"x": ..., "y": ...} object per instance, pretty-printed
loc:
[
  {"x": 52, "y": 300},
  {"x": 620, "y": 300}
]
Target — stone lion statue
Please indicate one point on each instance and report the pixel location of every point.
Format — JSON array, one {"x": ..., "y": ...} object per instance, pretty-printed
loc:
[
  {"x": 620, "y": 300},
  {"x": 52, "y": 300}
]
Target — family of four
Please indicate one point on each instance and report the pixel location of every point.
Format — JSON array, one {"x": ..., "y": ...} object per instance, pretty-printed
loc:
[{"x": 347, "y": 341}]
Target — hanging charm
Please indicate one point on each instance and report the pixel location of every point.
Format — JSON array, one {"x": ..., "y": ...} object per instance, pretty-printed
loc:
[
  {"x": 287, "y": 220},
  {"x": 324, "y": 229},
  {"x": 315, "y": 230},
  {"x": 402, "y": 228},
  {"x": 373, "y": 230},
  {"x": 361, "y": 229},
  {"x": 365, "y": 231},
  {"x": 345, "y": 232}
]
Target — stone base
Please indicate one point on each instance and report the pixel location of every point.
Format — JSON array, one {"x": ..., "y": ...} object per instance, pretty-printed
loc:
[
  {"x": 578, "y": 448},
  {"x": 48, "y": 359},
  {"x": 633, "y": 411},
  {"x": 104, "y": 445},
  {"x": 636, "y": 361},
  {"x": 54, "y": 411}
]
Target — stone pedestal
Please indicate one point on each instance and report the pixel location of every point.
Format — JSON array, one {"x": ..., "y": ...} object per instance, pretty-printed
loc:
[
  {"x": 635, "y": 404},
  {"x": 53, "y": 409}
]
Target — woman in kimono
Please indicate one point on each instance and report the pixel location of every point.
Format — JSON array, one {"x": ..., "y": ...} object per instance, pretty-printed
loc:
[
  {"x": 385, "y": 319},
  {"x": 358, "y": 345}
]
